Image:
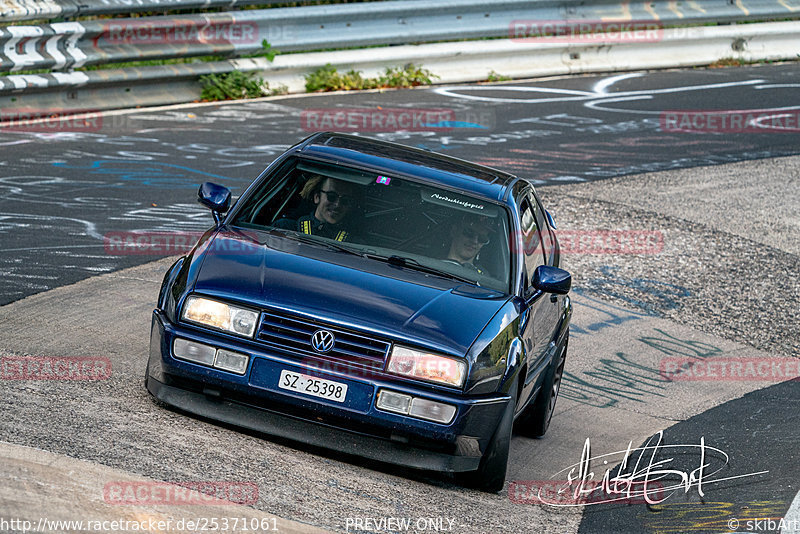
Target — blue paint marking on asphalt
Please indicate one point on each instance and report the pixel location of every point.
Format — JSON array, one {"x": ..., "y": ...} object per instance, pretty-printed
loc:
[
  {"x": 150, "y": 173},
  {"x": 456, "y": 124}
]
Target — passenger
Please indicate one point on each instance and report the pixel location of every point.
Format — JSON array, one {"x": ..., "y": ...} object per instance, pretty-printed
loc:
[
  {"x": 468, "y": 235},
  {"x": 334, "y": 201}
]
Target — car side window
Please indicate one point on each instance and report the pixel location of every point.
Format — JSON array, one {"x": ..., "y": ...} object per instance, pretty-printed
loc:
[
  {"x": 544, "y": 230},
  {"x": 531, "y": 241}
]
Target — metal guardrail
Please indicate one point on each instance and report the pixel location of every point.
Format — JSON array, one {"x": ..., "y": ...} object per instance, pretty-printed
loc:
[
  {"x": 92, "y": 91},
  {"x": 61, "y": 47},
  {"x": 68, "y": 45},
  {"x": 17, "y": 10}
]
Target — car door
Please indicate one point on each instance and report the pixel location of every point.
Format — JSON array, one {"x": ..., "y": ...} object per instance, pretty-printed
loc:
[
  {"x": 548, "y": 314},
  {"x": 535, "y": 321}
]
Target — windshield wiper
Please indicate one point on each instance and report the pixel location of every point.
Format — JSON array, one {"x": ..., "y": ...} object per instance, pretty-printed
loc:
[
  {"x": 411, "y": 263},
  {"x": 400, "y": 261},
  {"x": 325, "y": 243}
]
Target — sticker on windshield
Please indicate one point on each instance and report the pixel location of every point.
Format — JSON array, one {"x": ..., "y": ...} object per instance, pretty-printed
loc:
[{"x": 446, "y": 199}]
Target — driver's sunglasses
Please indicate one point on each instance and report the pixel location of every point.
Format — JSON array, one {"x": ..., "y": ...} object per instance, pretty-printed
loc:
[
  {"x": 472, "y": 235},
  {"x": 336, "y": 198}
]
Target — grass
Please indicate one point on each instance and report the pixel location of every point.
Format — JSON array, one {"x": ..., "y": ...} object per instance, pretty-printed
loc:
[
  {"x": 727, "y": 62},
  {"x": 736, "y": 62},
  {"x": 495, "y": 77},
  {"x": 327, "y": 78},
  {"x": 232, "y": 86}
]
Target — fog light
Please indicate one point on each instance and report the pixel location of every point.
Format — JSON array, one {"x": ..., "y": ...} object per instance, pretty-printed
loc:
[
  {"x": 193, "y": 352},
  {"x": 432, "y": 410},
  {"x": 231, "y": 361},
  {"x": 393, "y": 402}
]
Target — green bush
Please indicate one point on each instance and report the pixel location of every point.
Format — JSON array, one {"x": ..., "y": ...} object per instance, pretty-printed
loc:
[
  {"x": 327, "y": 78},
  {"x": 236, "y": 84},
  {"x": 408, "y": 76},
  {"x": 233, "y": 86}
]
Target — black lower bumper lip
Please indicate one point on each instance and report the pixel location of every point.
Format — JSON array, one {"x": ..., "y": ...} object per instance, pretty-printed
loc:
[{"x": 308, "y": 432}]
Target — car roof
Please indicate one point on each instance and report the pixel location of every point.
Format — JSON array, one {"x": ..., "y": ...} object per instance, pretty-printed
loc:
[{"x": 391, "y": 158}]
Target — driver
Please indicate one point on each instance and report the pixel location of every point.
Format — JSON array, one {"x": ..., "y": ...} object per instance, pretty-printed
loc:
[
  {"x": 333, "y": 201},
  {"x": 468, "y": 235}
]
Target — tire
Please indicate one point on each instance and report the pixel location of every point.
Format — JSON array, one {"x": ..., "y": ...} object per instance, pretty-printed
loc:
[
  {"x": 535, "y": 420},
  {"x": 491, "y": 474}
]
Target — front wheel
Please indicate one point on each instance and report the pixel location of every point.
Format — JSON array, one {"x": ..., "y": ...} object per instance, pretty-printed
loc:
[
  {"x": 535, "y": 420},
  {"x": 491, "y": 474}
]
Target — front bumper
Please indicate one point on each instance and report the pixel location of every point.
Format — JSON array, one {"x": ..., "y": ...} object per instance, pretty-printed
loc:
[{"x": 355, "y": 427}]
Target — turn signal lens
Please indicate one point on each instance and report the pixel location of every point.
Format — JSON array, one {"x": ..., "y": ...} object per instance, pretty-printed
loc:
[
  {"x": 193, "y": 352},
  {"x": 392, "y": 401},
  {"x": 432, "y": 410}
]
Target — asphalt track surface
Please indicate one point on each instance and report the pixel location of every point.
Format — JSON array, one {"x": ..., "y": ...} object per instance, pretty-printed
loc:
[
  {"x": 717, "y": 290},
  {"x": 64, "y": 187}
]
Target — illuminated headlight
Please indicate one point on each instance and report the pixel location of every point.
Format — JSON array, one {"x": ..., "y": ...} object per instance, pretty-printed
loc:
[
  {"x": 220, "y": 315},
  {"x": 427, "y": 366}
]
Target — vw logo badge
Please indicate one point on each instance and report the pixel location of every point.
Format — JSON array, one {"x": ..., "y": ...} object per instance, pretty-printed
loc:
[{"x": 322, "y": 341}]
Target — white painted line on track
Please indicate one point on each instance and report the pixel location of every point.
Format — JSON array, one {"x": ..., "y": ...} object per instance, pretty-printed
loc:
[{"x": 603, "y": 85}]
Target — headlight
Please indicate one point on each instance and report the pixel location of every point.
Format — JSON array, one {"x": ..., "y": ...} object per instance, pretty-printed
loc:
[
  {"x": 427, "y": 366},
  {"x": 220, "y": 315}
]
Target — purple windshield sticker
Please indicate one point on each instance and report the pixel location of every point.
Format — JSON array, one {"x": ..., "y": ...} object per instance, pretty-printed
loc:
[{"x": 384, "y": 180}]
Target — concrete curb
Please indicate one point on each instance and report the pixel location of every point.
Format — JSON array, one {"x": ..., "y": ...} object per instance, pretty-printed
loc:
[{"x": 42, "y": 487}]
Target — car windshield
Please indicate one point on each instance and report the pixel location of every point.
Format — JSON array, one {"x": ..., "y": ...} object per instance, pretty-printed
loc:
[{"x": 385, "y": 218}]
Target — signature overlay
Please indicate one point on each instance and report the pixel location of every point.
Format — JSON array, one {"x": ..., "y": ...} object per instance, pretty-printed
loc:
[{"x": 647, "y": 473}]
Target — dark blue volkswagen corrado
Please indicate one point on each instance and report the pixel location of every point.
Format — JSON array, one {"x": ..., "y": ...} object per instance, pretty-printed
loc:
[{"x": 375, "y": 299}]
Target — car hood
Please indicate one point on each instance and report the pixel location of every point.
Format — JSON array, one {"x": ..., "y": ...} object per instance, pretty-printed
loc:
[{"x": 270, "y": 270}]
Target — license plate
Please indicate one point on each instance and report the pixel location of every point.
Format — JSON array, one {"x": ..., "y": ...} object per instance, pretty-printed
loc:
[{"x": 317, "y": 387}]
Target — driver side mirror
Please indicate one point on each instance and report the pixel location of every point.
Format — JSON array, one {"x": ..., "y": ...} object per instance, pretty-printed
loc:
[
  {"x": 552, "y": 280},
  {"x": 216, "y": 198}
]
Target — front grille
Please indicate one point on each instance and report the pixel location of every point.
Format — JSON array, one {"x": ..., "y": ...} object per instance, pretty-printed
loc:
[{"x": 292, "y": 334}]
